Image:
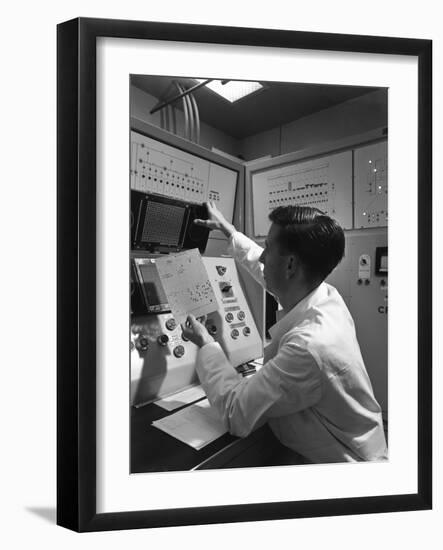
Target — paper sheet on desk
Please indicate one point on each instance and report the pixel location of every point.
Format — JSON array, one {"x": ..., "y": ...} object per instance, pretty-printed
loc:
[
  {"x": 186, "y": 284},
  {"x": 196, "y": 425},
  {"x": 182, "y": 398}
]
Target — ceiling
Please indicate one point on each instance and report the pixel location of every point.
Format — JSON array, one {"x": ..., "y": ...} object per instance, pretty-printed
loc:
[{"x": 276, "y": 104}]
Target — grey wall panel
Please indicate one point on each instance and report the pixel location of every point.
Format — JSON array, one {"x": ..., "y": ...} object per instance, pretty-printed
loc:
[{"x": 368, "y": 304}]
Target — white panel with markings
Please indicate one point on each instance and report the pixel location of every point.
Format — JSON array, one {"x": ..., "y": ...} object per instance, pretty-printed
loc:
[
  {"x": 324, "y": 183},
  {"x": 160, "y": 168},
  {"x": 371, "y": 186}
]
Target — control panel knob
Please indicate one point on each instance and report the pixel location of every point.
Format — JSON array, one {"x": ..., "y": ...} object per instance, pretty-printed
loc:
[
  {"x": 212, "y": 329},
  {"x": 184, "y": 338},
  {"x": 246, "y": 331},
  {"x": 163, "y": 339},
  {"x": 235, "y": 334},
  {"x": 171, "y": 324},
  {"x": 241, "y": 315},
  {"x": 142, "y": 343},
  {"x": 179, "y": 351},
  {"x": 229, "y": 317}
]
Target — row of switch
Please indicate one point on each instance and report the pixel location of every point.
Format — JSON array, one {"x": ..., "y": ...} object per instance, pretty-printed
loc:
[
  {"x": 230, "y": 317},
  {"x": 235, "y": 332},
  {"x": 142, "y": 344}
]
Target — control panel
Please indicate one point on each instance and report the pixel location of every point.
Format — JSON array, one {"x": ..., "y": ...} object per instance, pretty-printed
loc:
[
  {"x": 162, "y": 359},
  {"x": 233, "y": 325},
  {"x": 324, "y": 183},
  {"x": 371, "y": 186},
  {"x": 162, "y": 169}
]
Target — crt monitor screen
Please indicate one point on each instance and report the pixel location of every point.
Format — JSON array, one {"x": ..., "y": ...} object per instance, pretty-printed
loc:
[{"x": 163, "y": 223}]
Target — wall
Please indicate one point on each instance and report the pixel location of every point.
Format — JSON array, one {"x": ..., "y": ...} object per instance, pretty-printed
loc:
[
  {"x": 355, "y": 116},
  {"x": 142, "y": 103}
]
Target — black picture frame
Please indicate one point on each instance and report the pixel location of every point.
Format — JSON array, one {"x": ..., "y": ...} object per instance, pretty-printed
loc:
[{"x": 76, "y": 274}]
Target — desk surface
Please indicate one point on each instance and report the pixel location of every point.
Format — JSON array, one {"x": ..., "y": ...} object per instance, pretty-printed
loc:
[{"x": 153, "y": 450}]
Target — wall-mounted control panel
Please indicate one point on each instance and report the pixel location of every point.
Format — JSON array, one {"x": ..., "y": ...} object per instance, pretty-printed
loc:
[
  {"x": 162, "y": 169},
  {"x": 162, "y": 359},
  {"x": 371, "y": 186},
  {"x": 324, "y": 183}
]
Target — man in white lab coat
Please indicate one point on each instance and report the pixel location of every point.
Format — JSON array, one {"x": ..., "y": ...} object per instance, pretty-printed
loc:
[{"x": 313, "y": 389}]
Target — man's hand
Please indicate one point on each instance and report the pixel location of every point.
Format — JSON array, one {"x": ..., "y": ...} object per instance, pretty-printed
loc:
[
  {"x": 216, "y": 220},
  {"x": 196, "y": 332}
]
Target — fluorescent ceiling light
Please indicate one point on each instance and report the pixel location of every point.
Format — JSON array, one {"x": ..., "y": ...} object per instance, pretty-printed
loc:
[{"x": 233, "y": 89}]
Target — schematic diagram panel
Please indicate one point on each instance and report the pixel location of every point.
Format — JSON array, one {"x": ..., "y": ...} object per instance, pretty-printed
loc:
[
  {"x": 324, "y": 183},
  {"x": 371, "y": 186},
  {"x": 160, "y": 168}
]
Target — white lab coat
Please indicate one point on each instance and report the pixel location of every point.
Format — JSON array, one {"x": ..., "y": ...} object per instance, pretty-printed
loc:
[{"x": 313, "y": 389}]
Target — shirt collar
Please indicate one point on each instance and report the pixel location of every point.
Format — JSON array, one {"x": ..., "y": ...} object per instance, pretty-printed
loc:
[{"x": 285, "y": 322}]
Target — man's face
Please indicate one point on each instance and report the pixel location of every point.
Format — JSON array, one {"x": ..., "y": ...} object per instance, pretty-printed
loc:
[{"x": 274, "y": 263}]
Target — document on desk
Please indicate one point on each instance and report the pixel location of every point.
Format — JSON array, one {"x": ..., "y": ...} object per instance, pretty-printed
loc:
[
  {"x": 182, "y": 398},
  {"x": 186, "y": 284},
  {"x": 196, "y": 425}
]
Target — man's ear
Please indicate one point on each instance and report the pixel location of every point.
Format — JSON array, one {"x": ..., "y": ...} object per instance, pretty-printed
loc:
[{"x": 292, "y": 266}]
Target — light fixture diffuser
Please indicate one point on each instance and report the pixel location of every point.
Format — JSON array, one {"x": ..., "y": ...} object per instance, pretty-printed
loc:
[{"x": 233, "y": 90}]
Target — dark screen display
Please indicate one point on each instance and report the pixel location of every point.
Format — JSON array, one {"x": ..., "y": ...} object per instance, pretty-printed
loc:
[
  {"x": 153, "y": 290},
  {"x": 163, "y": 223}
]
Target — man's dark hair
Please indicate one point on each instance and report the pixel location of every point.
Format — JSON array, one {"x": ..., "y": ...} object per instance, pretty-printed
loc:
[{"x": 316, "y": 239}]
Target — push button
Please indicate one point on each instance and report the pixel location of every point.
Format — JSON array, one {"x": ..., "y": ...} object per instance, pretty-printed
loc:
[
  {"x": 229, "y": 317},
  {"x": 235, "y": 334},
  {"x": 142, "y": 343},
  {"x": 212, "y": 329},
  {"x": 179, "y": 351},
  {"x": 163, "y": 339},
  {"x": 171, "y": 324}
]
